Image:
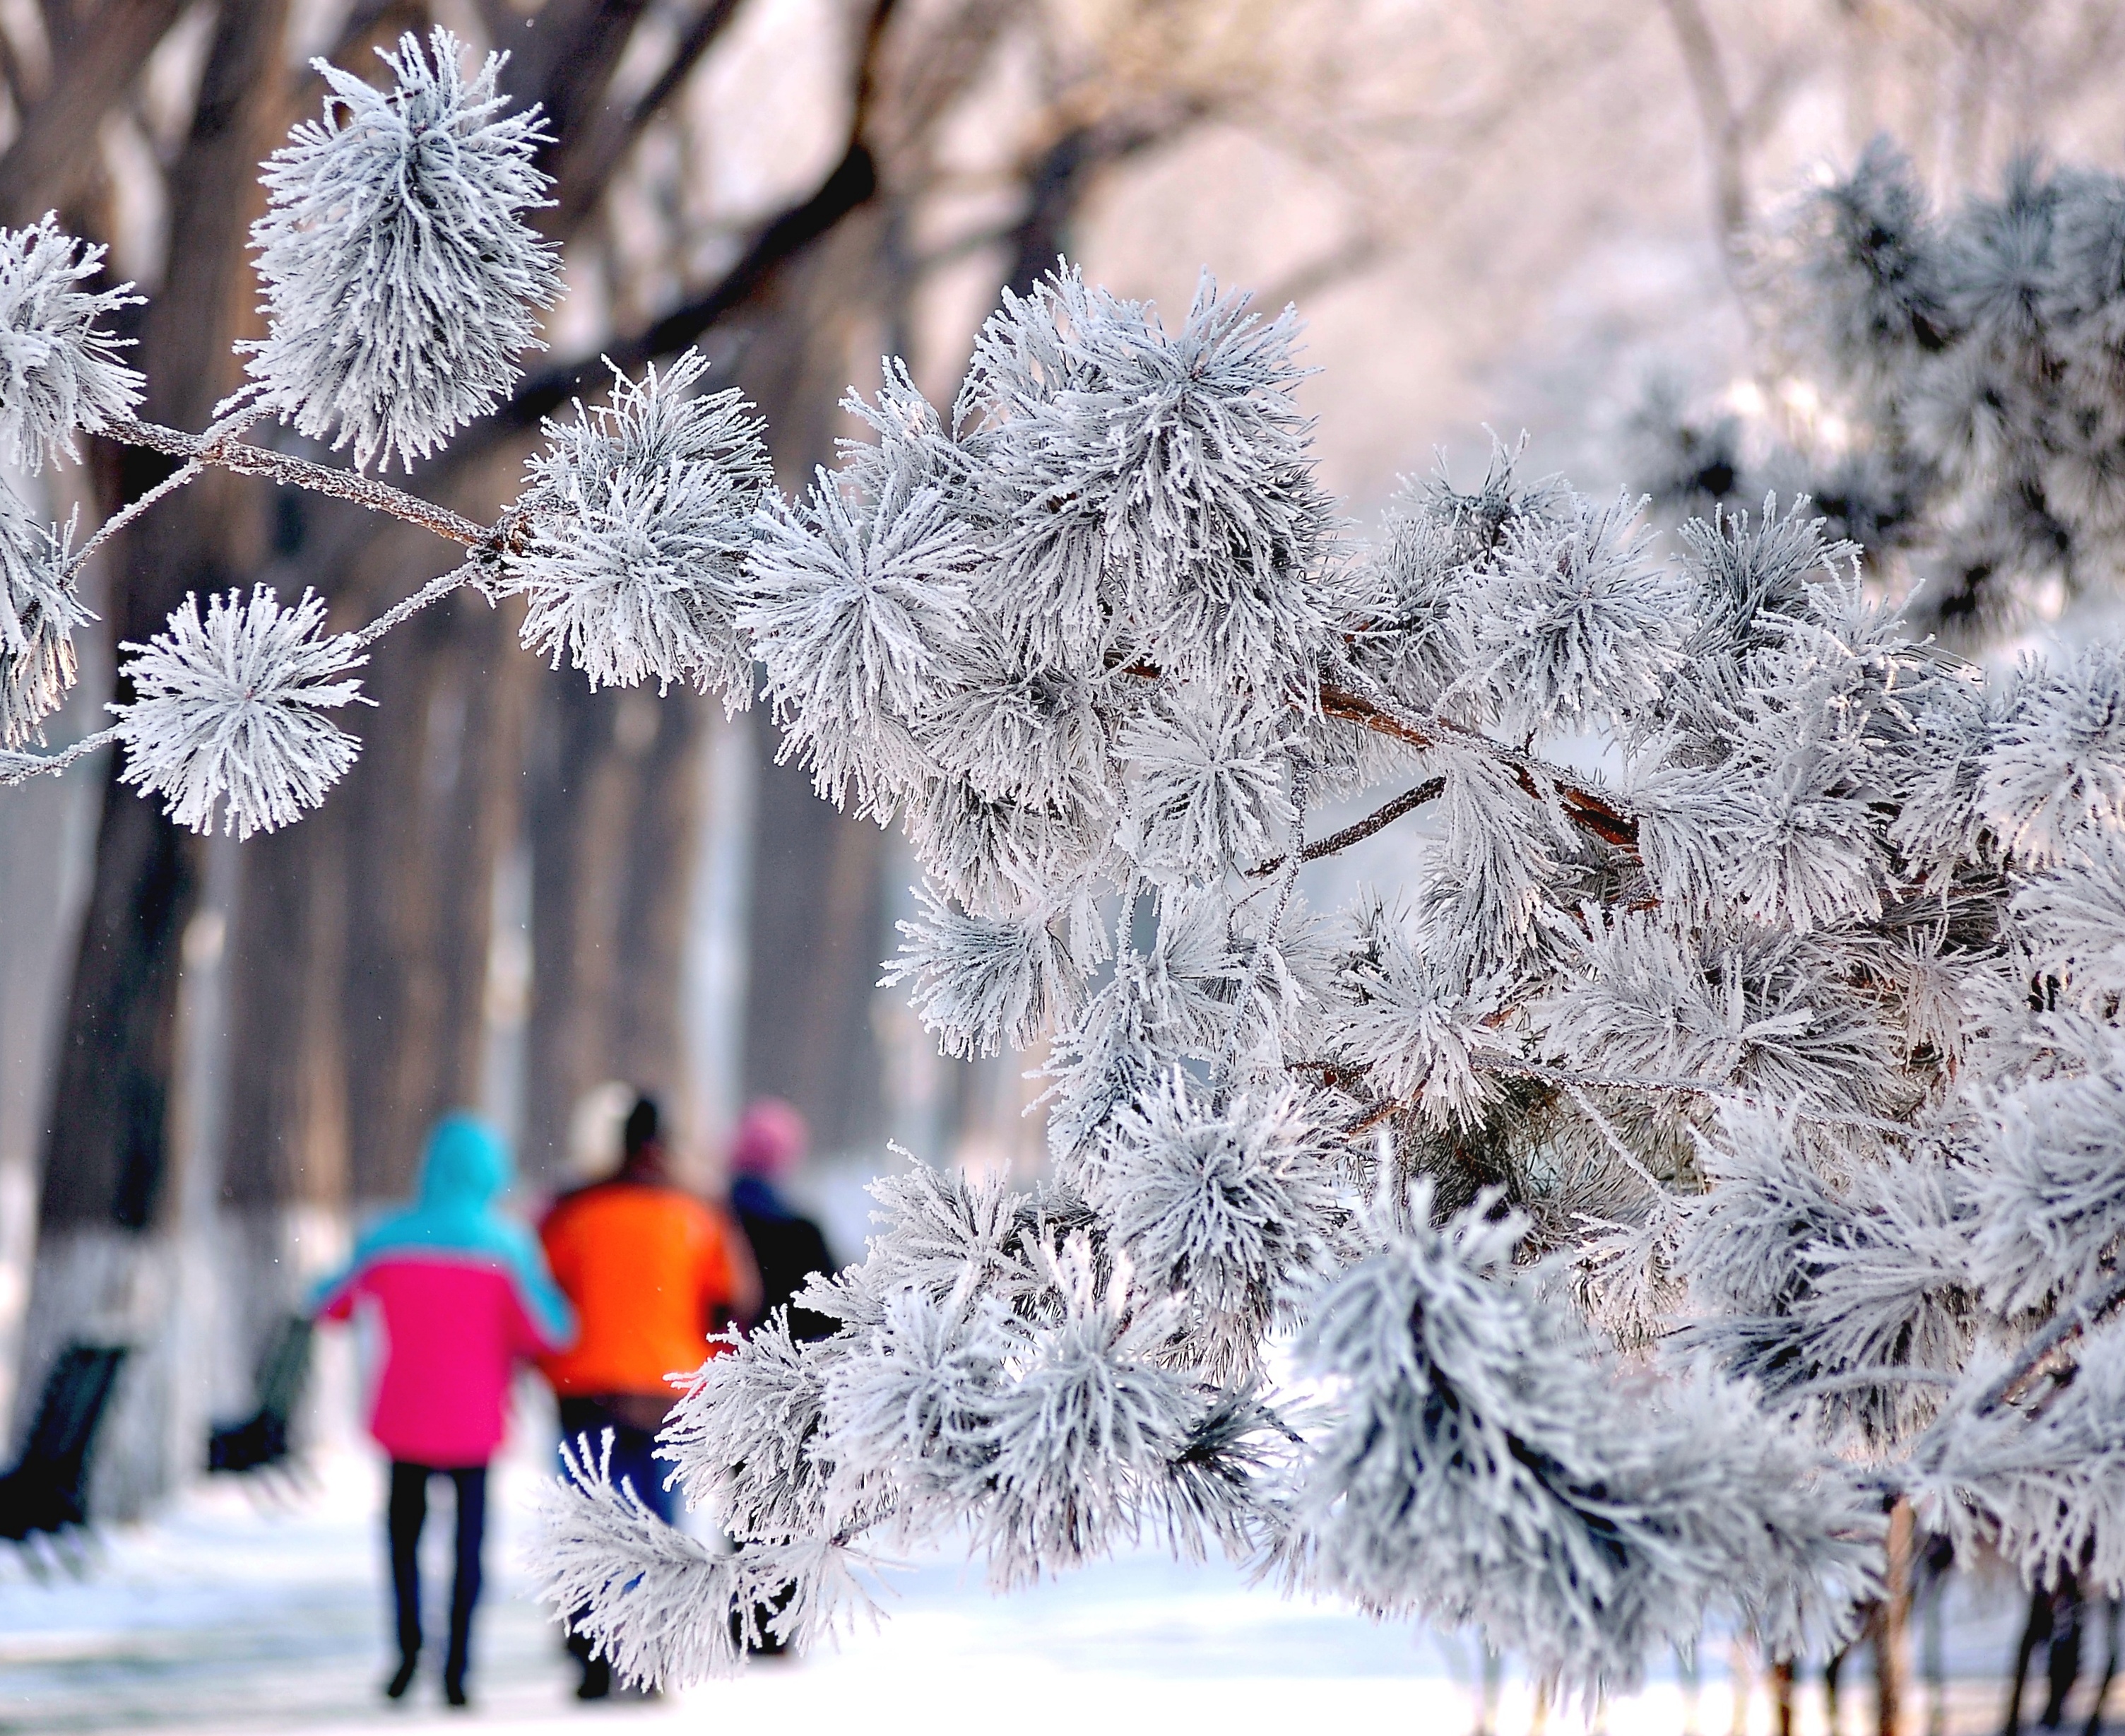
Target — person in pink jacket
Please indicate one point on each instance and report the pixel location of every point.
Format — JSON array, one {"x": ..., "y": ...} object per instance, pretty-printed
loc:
[{"x": 460, "y": 1294}]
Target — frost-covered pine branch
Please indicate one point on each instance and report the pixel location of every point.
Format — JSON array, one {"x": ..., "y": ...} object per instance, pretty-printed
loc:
[
  {"x": 399, "y": 277},
  {"x": 1491, "y": 1462},
  {"x": 640, "y": 512},
  {"x": 60, "y": 375},
  {"x": 227, "y": 716},
  {"x": 1703, "y": 1140},
  {"x": 38, "y": 611},
  {"x": 1963, "y": 356}
]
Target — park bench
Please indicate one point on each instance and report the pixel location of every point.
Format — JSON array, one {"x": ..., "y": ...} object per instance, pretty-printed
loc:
[
  {"x": 260, "y": 1441},
  {"x": 46, "y": 1492}
]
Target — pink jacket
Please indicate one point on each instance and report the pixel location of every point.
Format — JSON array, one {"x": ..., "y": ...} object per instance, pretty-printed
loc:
[
  {"x": 461, "y": 1295},
  {"x": 453, "y": 1328}
]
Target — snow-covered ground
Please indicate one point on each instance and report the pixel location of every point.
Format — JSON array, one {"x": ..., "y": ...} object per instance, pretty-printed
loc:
[{"x": 235, "y": 1612}]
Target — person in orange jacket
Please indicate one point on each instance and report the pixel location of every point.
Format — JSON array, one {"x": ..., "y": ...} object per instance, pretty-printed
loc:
[{"x": 651, "y": 1272}]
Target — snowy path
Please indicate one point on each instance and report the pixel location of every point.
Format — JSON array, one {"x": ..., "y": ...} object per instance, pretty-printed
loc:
[{"x": 228, "y": 1615}]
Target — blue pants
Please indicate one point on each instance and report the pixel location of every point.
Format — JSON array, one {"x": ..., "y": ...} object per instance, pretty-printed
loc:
[
  {"x": 636, "y": 1464},
  {"x": 635, "y": 1459}
]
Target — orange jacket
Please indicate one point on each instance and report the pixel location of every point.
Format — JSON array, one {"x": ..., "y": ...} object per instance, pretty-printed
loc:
[{"x": 647, "y": 1267}]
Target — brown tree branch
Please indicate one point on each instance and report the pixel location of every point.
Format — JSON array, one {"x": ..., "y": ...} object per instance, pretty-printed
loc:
[
  {"x": 1720, "y": 117},
  {"x": 1602, "y": 815},
  {"x": 1058, "y": 182},
  {"x": 589, "y": 168},
  {"x": 1378, "y": 820},
  {"x": 301, "y": 473},
  {"x": 848, "y": 186}
]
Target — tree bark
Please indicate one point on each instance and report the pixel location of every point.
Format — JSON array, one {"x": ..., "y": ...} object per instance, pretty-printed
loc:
[
  {"x": 55, "y": 148},
  {"x": 816, "y": 932},
  {"x": 816, "y": 916},
  {"x": 583, "y": 795},
  {"x": 433, "y": 806},
  {"x": 284, "y": 1150},
  {"x": 648, "y": 1041},
  {"x": 106, "y": 1160}
]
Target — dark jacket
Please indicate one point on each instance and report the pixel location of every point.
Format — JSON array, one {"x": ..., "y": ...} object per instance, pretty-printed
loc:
[{"x": 788, "y": 1247}]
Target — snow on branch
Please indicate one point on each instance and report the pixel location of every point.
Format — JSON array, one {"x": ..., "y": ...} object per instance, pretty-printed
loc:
[
  {"x": 985, "y": 983},
  {"x": 1791, "y": 1024},
  {"x": 1230, "y": 1207},
  {"x": 1489, "y": 1463},
  {"x": 227, "y": 716},
  {"x": 640, "y": 523},
  {"x": 666, "y": 1608},
  {"x": 399, "y": 278},
  {"x": 59, "y": 371},
  {"x": 39, "y": 610},
  {"x": 2056, "y": 766}
]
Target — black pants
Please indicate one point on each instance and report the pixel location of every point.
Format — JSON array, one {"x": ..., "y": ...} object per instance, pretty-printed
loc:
[{"x": 408, "y": 1513}]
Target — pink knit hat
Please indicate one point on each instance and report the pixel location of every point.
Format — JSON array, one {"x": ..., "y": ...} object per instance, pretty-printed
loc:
[{"x": 770, "y": 1140}]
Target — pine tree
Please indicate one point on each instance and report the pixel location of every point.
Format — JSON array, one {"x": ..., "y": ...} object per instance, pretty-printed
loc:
[
  {"x": 1967, "y": 359},
  {"x": 1690, "y": 1160}
]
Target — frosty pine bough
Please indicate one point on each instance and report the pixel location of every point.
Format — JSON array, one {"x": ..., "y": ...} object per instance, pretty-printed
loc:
[{"x": 1685, "y": 1168}]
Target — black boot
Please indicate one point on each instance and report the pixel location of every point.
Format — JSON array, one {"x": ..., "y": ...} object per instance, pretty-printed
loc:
[
  {"x": 454, "y": 1692},
  {"x": 402, "y": 1678},
  {"x": 597, "y": 1680}
]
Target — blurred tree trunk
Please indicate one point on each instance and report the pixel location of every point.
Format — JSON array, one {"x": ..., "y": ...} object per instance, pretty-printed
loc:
[
  {"x": 647, "y": 1042},
  {"x": 365, "y": 931},
  {"x": 615, "y": 810},
  {"x": 614, "y": 824},
  {"x": 582, "y": 791},
  {"x": 433, "y": 807},
  {"x": 284, "y": 1146},
  {"x": 107, "y": 1157},
  {"x": 816, "y": 916}
]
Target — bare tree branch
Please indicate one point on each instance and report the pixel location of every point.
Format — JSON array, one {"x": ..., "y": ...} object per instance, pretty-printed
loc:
[
  {"x": 1721, "y": 119},
  {"x": 850, "y": 185},
  {"x": 301, "y": 473},
  {"x": 1378, "y": 820},
  {"x": 1602, "y": 815},
  {"x": 591, "y": 166}
]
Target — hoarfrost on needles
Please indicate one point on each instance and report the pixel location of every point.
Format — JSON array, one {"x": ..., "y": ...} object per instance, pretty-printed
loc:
[
  {"x": 399, "y": 277},
  {"x": 1797, "y": 1026},
  {"x": 227, "y": 716},
  {"x": 39, "y": 610},
  {"x": 59, "y": 371},
  {"x": 641, "y": 523}
]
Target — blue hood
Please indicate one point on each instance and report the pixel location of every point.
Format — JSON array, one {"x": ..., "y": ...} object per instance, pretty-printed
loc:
[{"x": 465, "y": 1166}]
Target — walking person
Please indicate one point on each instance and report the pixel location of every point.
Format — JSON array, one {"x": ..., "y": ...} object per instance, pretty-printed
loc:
[
  {"x": 787, "y": 1245},
  {"x": 652, "y": 1272},
  {"x": 460, "y": 1294}
]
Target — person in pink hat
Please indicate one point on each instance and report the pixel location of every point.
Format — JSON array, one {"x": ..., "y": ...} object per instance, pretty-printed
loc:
[{"x": 787, "y": 1247}]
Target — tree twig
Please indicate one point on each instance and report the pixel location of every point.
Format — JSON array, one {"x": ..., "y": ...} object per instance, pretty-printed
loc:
[
  {"x": 2062, "y": 1328},
  {"x": 436, "y": 588},
  {"x": 1603, "y": 815},
  {"x": 19, "y": 768},
  {"x": 302, "y": 473},
  {"x": 1378, "y": 820},
  {"x": 1869, "y": 1377},
  {"x": 126, "y": 514}
]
